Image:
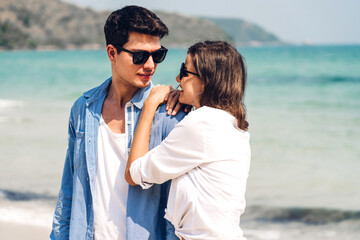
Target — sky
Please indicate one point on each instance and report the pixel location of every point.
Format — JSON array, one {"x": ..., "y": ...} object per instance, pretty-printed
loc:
[{"x": 293, "y": 21}]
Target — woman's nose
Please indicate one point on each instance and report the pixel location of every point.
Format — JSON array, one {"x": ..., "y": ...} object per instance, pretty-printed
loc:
[{"x": 178, "y": 78}]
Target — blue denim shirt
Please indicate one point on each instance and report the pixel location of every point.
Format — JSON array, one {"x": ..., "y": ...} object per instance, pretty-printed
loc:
[{"x": 74, "y": 216}]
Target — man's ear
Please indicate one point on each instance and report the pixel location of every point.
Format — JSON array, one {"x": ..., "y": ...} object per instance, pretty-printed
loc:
[{"x": 111, "y": 52}]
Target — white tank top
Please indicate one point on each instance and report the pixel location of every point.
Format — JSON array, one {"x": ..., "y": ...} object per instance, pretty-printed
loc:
[{"x": 110, "y": 192}]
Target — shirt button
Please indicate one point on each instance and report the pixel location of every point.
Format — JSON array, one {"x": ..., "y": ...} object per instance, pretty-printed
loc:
[{"x": 129, "y": 122}]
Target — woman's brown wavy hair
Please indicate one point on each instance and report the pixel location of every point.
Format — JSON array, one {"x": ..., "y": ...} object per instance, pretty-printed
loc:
[{"x": 222, "y": 69}]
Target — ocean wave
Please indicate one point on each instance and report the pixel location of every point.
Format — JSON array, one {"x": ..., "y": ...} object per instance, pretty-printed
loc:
[
  {"x": 306, "y": 79},
  {"x": 7, "y": 103},
  {"x": 338, "y": 79},
  {"x": 305, "y": 215},
  {"x": 35, "y": 216},
  {"x": 7, "y": 119},
  {"x": 26, "y": 208},
  {"x": 24, "y": 196},
  {"x": 262, "y": 234}
]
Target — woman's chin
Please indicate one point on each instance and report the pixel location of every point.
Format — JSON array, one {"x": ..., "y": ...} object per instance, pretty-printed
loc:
[{"x": 183, "y": 101}]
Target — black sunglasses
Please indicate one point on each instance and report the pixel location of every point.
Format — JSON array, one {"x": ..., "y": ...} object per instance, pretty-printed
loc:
[
  {"x": 141, "y": 57},
  {"x": 184, "y": 72}
]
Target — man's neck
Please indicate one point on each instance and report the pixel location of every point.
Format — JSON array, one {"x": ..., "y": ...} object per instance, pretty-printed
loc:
[
  {"x": 113, "y": 110},
  {"x": 121, "y": 93}
]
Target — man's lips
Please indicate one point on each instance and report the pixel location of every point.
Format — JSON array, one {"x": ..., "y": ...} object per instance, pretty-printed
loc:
[{"x": 145, "y": 75}]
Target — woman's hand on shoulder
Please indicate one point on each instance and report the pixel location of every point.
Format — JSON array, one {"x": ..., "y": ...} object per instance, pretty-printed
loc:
[{"x": 158, "y": 95}]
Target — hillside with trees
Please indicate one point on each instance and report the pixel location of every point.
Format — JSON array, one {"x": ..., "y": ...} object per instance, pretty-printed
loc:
[{"x": 44, "y": 24}]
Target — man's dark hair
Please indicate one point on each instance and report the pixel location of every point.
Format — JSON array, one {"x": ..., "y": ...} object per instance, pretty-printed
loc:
[{"x": 132, "y": 19}]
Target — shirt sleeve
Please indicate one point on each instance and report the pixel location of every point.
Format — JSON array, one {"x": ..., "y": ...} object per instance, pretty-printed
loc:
[
  {"x": 62, "y": 214},
  {"x": 180, "y": 152}
]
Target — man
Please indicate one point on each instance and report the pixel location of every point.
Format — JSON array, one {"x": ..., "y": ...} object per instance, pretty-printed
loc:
[{"x": 94, "y": 199}]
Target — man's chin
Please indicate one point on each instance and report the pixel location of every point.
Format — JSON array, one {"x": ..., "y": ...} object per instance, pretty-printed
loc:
[{"x": 143, "y": 83}]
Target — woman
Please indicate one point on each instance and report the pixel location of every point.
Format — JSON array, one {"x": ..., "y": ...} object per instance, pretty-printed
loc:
[{"x": 207, "y": 155}]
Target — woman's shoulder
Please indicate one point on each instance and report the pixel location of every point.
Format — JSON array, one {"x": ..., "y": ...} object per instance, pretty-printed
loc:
[
  {"x": 206, "y": 111},
  {"x": 206, "y": 118},
  {"x": 215, "y": 120},
  {"x": 198, "y": 116},
  {"x": 210, "y": 115},
  {"x": 195, "y": 124}
]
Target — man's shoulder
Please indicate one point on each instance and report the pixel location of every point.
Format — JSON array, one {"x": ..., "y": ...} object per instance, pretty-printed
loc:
[
  {"x": 79, "y": 104},
  {"x": 91, "y": 95},
  {"x": 161, "y": 113},
  {"x": 167, "y": 122},
  {"x": 99, "y": 91}
]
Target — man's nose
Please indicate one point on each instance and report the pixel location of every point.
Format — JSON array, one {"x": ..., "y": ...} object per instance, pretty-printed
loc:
[{"x": 149, "y": 64}]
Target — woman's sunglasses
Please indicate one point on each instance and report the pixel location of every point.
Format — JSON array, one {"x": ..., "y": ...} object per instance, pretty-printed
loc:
[
  {"x": 184, "y": 72},
  {"x": 141, "y": 57}
]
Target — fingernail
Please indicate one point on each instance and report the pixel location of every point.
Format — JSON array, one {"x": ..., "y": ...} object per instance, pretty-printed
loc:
[{"x": 173, "y": 113}]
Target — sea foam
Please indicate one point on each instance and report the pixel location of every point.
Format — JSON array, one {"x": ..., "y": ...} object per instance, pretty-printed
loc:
[
  {"x": 262, "y": 234},
  {"x": 33, "y": 217},
  {"x": 8, "y": 103}
]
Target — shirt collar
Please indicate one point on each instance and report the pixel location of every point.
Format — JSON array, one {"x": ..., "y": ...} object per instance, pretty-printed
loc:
[
  {"x": 141, "y": 95},
  {"x": 138, "y": 100},
  {"x": 98, "y": 92}
]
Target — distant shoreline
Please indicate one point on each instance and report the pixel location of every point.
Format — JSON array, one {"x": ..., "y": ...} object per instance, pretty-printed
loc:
[
  {"x": 102, "y": 47},
  {"x": 97, "y": 46}
]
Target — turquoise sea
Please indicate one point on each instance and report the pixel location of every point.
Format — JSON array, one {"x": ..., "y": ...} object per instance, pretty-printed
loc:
[{"x": 303, "y": 107}]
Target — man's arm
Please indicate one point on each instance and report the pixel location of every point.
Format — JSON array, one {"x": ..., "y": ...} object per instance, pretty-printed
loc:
[{"x": 61, "y": 220}]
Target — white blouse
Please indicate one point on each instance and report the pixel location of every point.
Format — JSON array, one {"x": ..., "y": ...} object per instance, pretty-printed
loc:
[{"x": 208, "y": 158}]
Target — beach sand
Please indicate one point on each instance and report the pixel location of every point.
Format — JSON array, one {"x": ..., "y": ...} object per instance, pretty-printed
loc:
[{"x": 10, "y": 231}]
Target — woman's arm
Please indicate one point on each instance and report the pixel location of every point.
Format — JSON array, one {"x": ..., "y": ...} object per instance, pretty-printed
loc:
[{"x": 140, "y": 144}]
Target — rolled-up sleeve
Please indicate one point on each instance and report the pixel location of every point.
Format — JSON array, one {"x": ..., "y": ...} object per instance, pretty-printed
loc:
[
  {"x": 135, "y": 171},
  {"x": 180, "y": 152}
]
